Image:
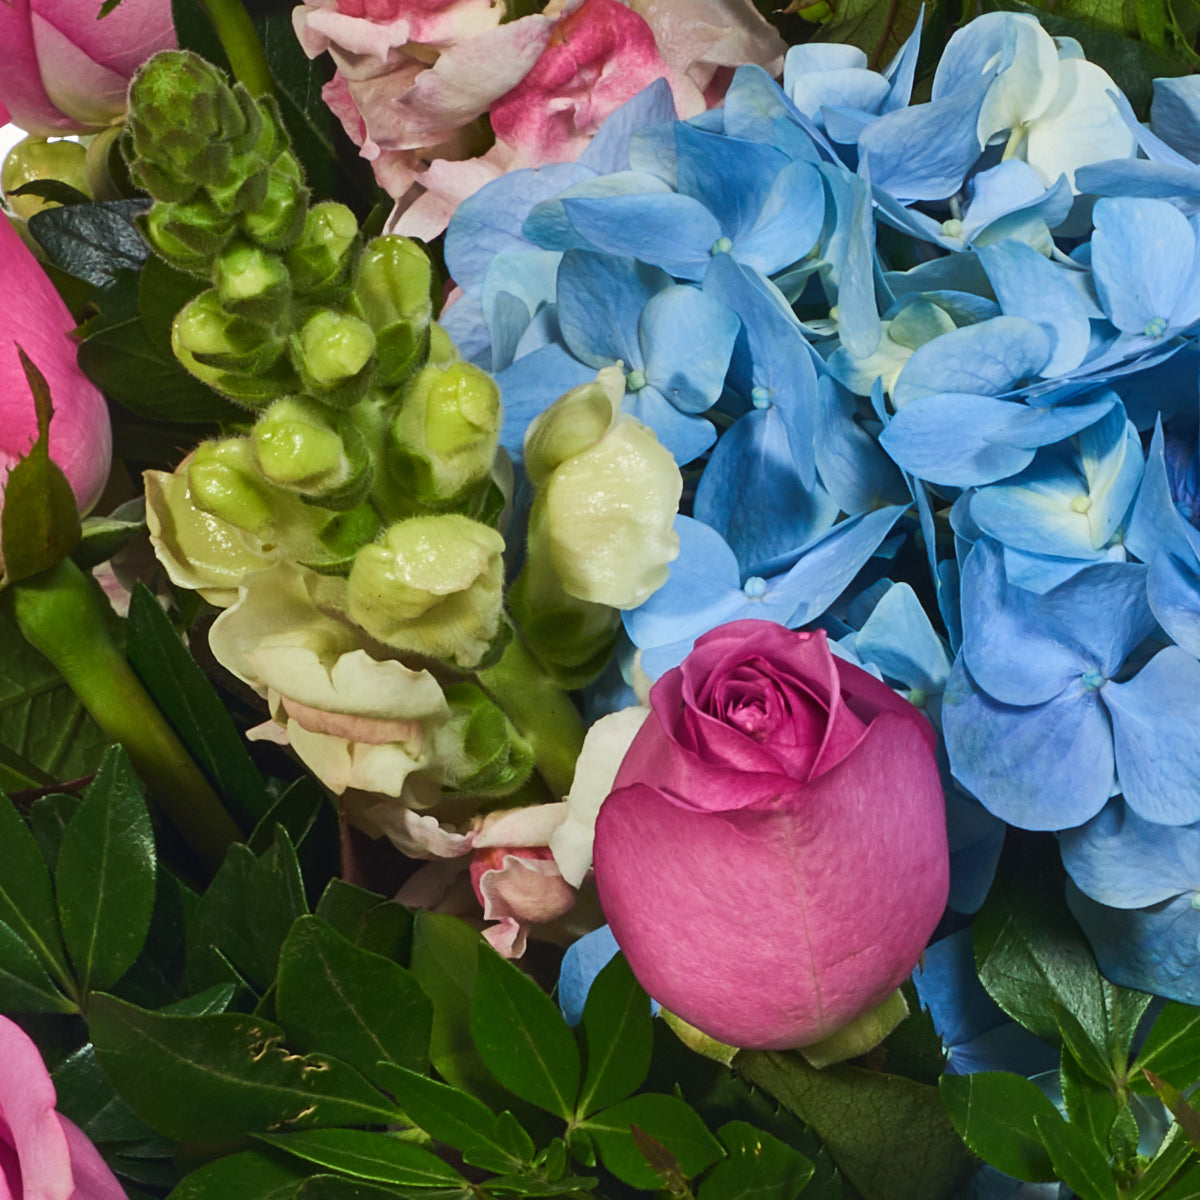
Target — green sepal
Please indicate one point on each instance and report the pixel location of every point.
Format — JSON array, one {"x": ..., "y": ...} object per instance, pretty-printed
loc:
[{"x": 497, "y": 760}]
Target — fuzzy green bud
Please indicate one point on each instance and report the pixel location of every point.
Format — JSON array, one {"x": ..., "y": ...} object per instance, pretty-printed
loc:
[
  {"x": 253, "y": 283},
  {"x": 393, "y": 282},
  {"x": 432, "y": 586},
  {"x": 297, "y": 446},
  {"x": 320, "y": 261},
  {"x": 480, "y": 750},
  {"x": 222, "y": 481},
  {"x": 34, "y": 159},
  {"x": 188, "y": 235},
  {"x": 332, "y": 352},
  {"x": 276, "y": 222}
]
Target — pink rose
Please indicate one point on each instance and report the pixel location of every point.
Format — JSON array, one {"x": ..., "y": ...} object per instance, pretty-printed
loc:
[
  {"x": 772, "y": 858},
  {"x": 43, "y": 1156},
  {"x": 36, "y": 319},
  {"x": 65, "y": 71}
]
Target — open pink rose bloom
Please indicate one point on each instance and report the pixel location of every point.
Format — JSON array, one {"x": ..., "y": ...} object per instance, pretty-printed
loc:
[{"x": 772, "y": 858}]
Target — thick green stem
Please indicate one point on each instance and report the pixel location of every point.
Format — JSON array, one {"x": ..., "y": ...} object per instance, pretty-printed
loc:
[
  {"x": 239, "y": 40},
  {"x": 541, "y": 710},
  {"x": 59, "y": 612}
]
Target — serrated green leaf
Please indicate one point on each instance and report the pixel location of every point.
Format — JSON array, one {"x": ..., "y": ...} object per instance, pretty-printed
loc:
[
  {"x": 669, "y": 1121},
  {"x": 457, "y": 1119},
  {"x": 1078, "y": 1161},
  {"x": 1077, "y": 1043},
  {"x": 92, "y": 241},
  {"x": 522, "y": 1036},
  {"x": 1172, "y": 1047},
  {"x": 217, "y": 1078},
  {"x": 757, "y": 1167},
  {"x": 890, "y": 1137},
  {"x": 367, "y": 920},
  {"x": 618, "y": 1037},
  {"x": 25, "y": 985},
  {"x": 994, "y": 1113},
  {"x": 252, "y": 1175},
  {"x": 1166, "y": 1164},
  {"x": 193, "y": 708},
  {"x": 381, "y": 1157},
  {"x": 358, "y": 1006},
  {"x": 104, "y": 877}
]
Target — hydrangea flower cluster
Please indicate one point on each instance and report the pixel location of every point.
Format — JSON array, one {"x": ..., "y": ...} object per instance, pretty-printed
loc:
[{"x": 865, "y": 326}]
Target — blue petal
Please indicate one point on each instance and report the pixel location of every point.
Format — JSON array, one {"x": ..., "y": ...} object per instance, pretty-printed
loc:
[
  {"x": 608, "y": 151},
  {"x": 686, "y": 340},
  {"x": 948, "y": 986},
  {"x": 898, "y": 638},
  {"x": 548, "y": 225},
  {"x": 1119, "y": 859},
  {"x": 756, "y": 109},
  {"x": 584, "y": 960},
  {"x": 853, "y": 468},
  {"x": 902, "y": 70},
  {"x": 600, "y": 301},
  {"x": 1155, "y": 716},
  {"x": 976, "y": 839},
  {"x": 850, "y": 253},
  {"x": 788, "y": 222},
  {"x": 686, "y": 436},
  {"x": 1173, "y": 588},
  {"x": 1047, "y": 766},
  {"x": 1156, "y": 525}
]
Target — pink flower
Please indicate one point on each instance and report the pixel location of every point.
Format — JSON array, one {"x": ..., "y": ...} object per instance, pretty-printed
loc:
[
  {"x": 38, "y": 321},
  {"x": 518, "y": 886},
  {"x": 43, "y": 1156},
  {"x": 772, "y": 858},
  {"x": 66, "y": 71}
]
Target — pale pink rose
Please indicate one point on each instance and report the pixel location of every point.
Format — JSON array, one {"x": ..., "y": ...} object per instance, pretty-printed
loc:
[
  {"x": 43, "y": 1156},
  {"x": 363, "y": 36},
  {"x": 67, "y": 72},
  {"x": 600, "y": 55},
  {"x": 772, "y": 858},
  {"x": 36, "y": 319}
]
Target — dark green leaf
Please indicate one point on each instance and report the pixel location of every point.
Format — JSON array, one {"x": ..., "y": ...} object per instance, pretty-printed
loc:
[
  {"x": 337, "y": 1187},
  {"x": 1077, "y": 1043},
  {"x": 1186, "y": 1187},
  {"x": 102, "y": 538},
  {"x": 158, "y": 977},
  {"x": 1124, "y": 1010},
  {"x": 25, "y": 986},
  {"x": 1172, "y": 1047},
  {"x": 216, "y": 999},
  {"x": 86, "y": 1097},
  {"x": 890, "y": 1137},
  {"x": 525, "y": 1185},
  {"x": 51, "y": 189},
  {"x": 193, "y": 707},
  {"x": 618, "y": 1037},
  {"x": 669, "y": 1121},
  {"x": 1090, "y": 1105},
  {"x": 367, "y": 920},
  {"x": 1078, "y": 1161},
  {"x": 253, "y": 1175},
  {"x": 358, "y": 1006},
  {"x": 758, "y": 1167},
  {"x": 522, "y": 1036},
  {"x": 458, "y": 1120},
  {"x": 39, "y": 523},
  {"x": 48, "y": 819},
  {"x": 104, "y": 878},
  {"x": 379, "y": 1156},
  {"x": 994, "y": 1113},
  {"x": 1166, "y": 1164},
  {"x": 1181, "y": 1110},
  {"x": 296, "y": 810},
  {"x": 220, "y": 1077},
  {"x": 92, "y": 241}
]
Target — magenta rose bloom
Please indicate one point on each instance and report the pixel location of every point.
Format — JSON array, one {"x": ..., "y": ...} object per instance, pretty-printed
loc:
[
  {"x": 772, "y": 858},
  {"x": 42, "y": 1154}
]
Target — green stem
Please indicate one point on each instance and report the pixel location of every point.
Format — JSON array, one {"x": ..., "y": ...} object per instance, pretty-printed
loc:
[
  {"x": 239, "y": 40},
  {"x": 541, "y": 710},
  {"x": 59, "y": 612}
]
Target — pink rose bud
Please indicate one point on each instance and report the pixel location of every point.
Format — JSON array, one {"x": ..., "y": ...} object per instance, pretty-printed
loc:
[
  {"x": 37, "y": 320},
  {"x": 42, "y": 1154},
  {"x": 518, "y": 886},
  {"x": 67, "y": 72},
  {"x": 772, "y": 858}
]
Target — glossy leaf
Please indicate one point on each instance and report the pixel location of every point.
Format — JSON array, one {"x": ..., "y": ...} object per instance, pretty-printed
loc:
[
  {"x": 367, "y": 919},
  {"x": 618, "y": 1037},
  {"x": 994, "y": 1113},
  {"x": 251, "y": 1175},
  {"x": 757, "y": 1167},
  {"x": 104, "y": 877},
  {"x": 358, "y": 1006},
  {"x": 1078, "y": 1161},
  {"x": 25, "y": 986},
  {"x": 522, "y": 1036},
  {"x": 86, "y": 1097},
  {"x": 1091, "y": 1105},
  {"x": 1172, "y": 1047},
  {"x": 92, "y": 241},
  {"x": 217, "y": 1078},
  {"x": 378, "y": 1156},
  {"x": 669, "y": 1121}
]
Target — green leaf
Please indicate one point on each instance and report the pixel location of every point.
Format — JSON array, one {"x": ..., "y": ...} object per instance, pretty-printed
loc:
[
  {"x": 158, "y": 977},
  {"x": 889, "y": 1136},
  {"x": 1077, "y": 1043},
  {"x": 193, "y": 708},
  {"x": 296, "y": 810},
  {"x": 1181, "y": 1110},
  {"x": 252, "y": 1175},
  {"x": 26, "y": 896},
  {"x": 1187, "y": 1187},
  {"x": 1078, "y": 1161},
  {"x": 1172, "y": 1047},
  {"x": 25, "y": 986},
  {"x": 39, "y": 523},
  {"x": 757, "y": 1167},
  {"x": 1091, "y": 1105},
  {"x": 877, "y": 27},
  {"x": 378, "y": 1156},
  {"x": 103, "y": 537},
  {"x": 86, "y": 1097},
  {"x": 669, "y": 1121},
  {"x": 104, "y": 878},
  {"x": 217, "y": 1078},
  {"x": 522, "y": 1036},
  {"x": 43, "y": 727},
  {"x": 367, "y": 919},
  {"x": 1166, "y": 1164},
  {"x": 92, "y": 241},
  {"x": 358, "y": 1006},
  {"x": 618, "y": 1035},
  {"x": 48, "y": 819},
  {"x": 459, "y": 1120},
  {"x": 994, "y": 1113}
]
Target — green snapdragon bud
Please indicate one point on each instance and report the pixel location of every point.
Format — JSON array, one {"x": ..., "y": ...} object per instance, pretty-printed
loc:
[
  {"x": 480, "y": 750},
  {"x": 222, "y": 480},
  {"x": 393, "y": 290},
  {"x": 333, "y": 353},
  {"x": 320, "y": 261},
  {"x": 443, "y": 439},
  {"x": 276, "y": 223},
  {"x": 252, "y": 283},
  {"x": 189, "y": 235},
  {"x": 33, "y": 159},
  {"x": 299, "y": 446},
  {"x": 433, "y": 586}
]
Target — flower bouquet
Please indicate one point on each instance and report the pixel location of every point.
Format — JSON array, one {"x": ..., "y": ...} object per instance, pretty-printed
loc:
[{"x": 600, "y": 599}]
